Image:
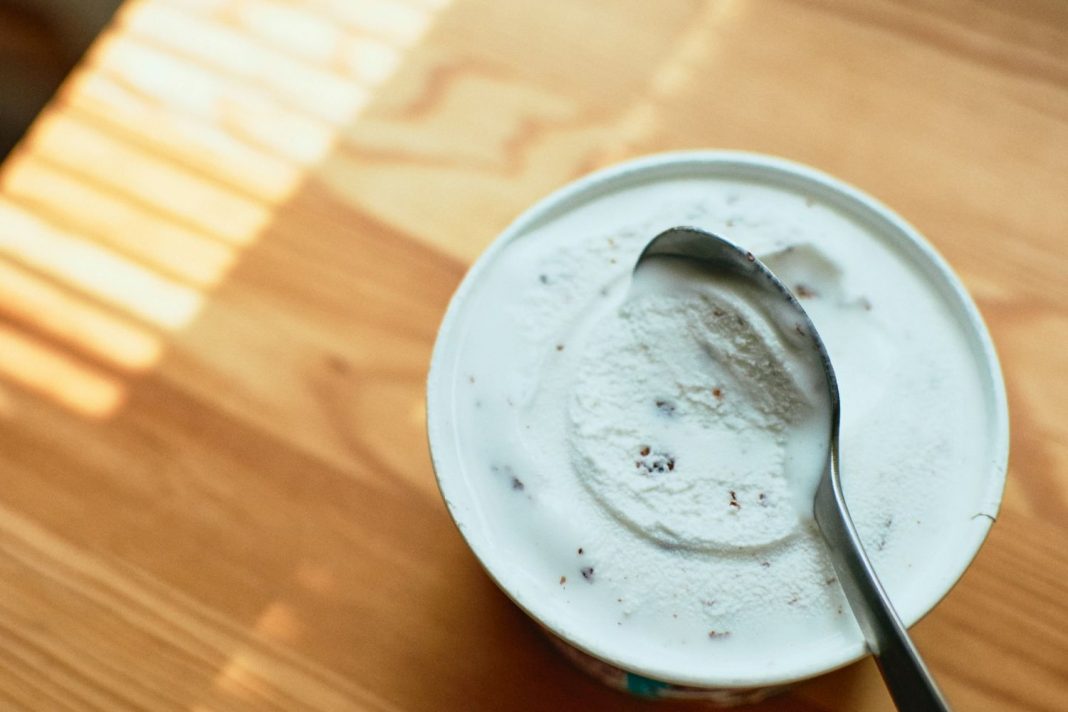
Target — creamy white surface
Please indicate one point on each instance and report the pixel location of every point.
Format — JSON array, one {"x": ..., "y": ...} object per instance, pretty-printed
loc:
[
  {"x": 671, "y": 576},
  {"x": 687, "y": 400}
]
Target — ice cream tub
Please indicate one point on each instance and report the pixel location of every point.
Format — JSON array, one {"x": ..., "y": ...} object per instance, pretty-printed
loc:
[{"x": 619, "y": 460}]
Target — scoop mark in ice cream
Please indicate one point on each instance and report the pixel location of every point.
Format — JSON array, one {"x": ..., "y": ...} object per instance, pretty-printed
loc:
[{"x": 678, "y": 342}]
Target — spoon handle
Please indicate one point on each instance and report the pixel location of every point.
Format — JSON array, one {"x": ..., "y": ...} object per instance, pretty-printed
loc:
[{"x": 910, "y": 684}]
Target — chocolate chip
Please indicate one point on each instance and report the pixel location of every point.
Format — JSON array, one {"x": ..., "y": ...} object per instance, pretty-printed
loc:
[
  {"x": 654, "y": 461},
  {"x": 587, "y": 573}
]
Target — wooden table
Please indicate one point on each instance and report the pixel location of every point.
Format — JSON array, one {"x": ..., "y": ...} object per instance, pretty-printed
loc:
[{"x": 225, "y": 249}]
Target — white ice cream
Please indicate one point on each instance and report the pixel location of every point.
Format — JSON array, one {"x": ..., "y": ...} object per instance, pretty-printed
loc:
[
  {"x": 694, "y": 419},
  {"x": 629, "y": 452}
]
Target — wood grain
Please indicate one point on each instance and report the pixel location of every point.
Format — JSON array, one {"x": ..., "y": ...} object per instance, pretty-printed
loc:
[{"x": 225, "y": 249}]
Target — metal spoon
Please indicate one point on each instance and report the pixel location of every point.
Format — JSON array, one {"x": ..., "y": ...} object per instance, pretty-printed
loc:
[{"x": 907, "y": 678}]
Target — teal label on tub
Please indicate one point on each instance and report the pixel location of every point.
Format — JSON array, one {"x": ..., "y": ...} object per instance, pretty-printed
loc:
[{"x": 644, "y": 686}]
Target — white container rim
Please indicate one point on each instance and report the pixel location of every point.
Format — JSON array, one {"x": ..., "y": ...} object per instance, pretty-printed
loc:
[{"x": 441, "y": 421}]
